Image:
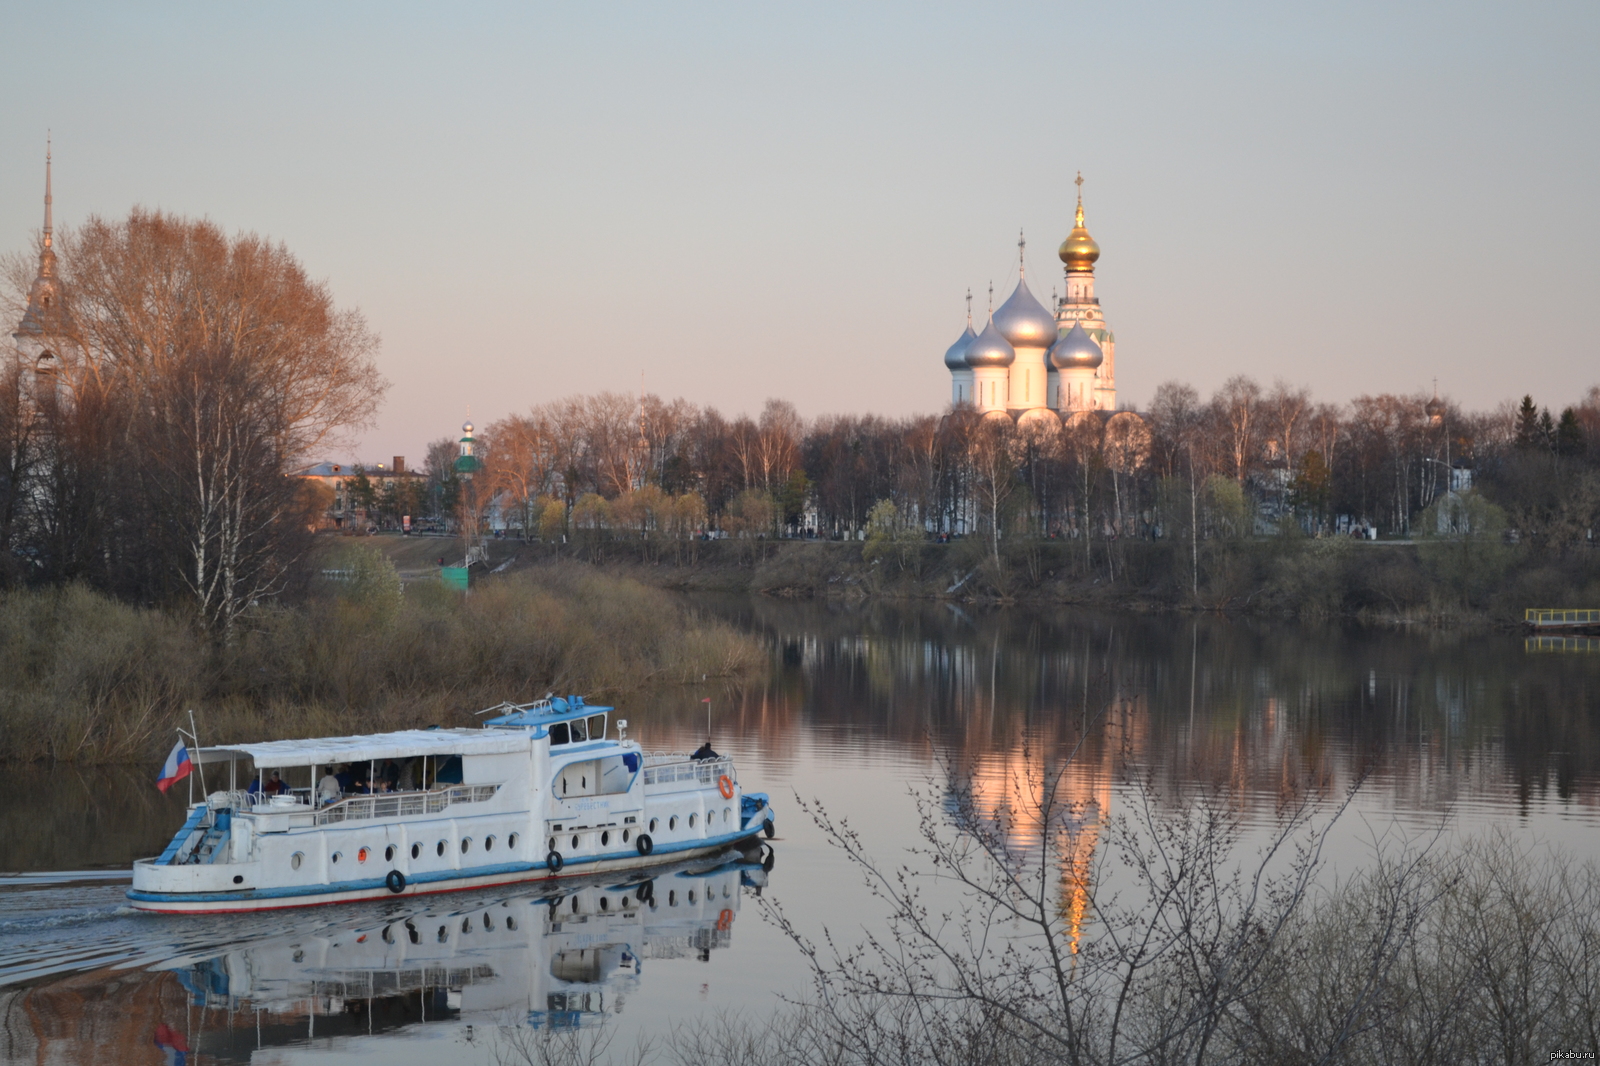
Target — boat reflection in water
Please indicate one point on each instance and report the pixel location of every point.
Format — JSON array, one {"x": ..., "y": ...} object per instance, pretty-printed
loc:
[{"x": 546, "y": 960}]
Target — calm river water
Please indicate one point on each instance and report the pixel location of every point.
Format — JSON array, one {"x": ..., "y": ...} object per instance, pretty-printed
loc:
[{"x": 863, "y": 706}]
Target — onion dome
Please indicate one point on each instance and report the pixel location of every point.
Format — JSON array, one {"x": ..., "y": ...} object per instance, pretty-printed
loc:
[
  {"x": 1023, "y": 321},
  {"x": 1079, "y": 251},
  {"x": 1076, "y": 350},
  {"x": 990, "y": 348},
  {"x": 955, "y": 356},
  {"x": 1434, "y": 408}
]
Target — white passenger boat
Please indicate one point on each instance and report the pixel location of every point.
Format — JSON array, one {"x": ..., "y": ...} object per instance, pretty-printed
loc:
[{"x": 543, "y": 790}]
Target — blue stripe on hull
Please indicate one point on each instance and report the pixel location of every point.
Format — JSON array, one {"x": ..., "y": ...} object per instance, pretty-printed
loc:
[{"x": 442, "y": 876}]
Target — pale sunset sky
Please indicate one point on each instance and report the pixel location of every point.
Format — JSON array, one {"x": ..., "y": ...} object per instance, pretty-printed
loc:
[{"x": 746, "y": 201}]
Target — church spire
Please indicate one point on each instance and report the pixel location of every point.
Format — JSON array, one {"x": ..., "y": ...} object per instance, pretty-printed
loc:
[{"x": 49, "y": 240}]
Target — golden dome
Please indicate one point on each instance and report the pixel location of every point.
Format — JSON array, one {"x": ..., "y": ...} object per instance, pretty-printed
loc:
[{"x": 1079, "y": 251}]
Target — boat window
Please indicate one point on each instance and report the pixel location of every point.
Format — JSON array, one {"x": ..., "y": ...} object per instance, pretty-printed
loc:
[
  {"x": 579, "y": 733},
  {"x": 558, "y": 733},
  {"x": 449, "y": 771},
  {"x": 511, "y": 841},
  {"x": 597, "y": 727}
]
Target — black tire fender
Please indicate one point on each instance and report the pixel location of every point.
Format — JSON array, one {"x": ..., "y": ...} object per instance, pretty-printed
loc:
[
  {"x": 645, "y": 892},
  {"x": 644, "y": 844},
  {"x": 554, "y": 861},
  {"x": 395, "y": 882},
  {"x": 770, "y": 829}
]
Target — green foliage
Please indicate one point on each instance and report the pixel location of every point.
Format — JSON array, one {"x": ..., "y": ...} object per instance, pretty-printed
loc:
[
  {"x": 1463, "y": 545},
  {"x": 891, "y": 538},
  {"x": 1309, "y": 492},
  {"x": 792, "y": 497},
  {"x": 1227, "y": 510},
  {"x": 365, "y": 579}
]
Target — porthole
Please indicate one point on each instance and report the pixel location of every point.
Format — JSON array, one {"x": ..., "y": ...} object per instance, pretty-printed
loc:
[
  {"x": 552, "y": 844},
  {"x": 672, "y": 898},
  {"x": 511, "y": 923},
  {"x": 416, "y": 851},
  {"x": 296, "y": 859},
  {"x": 416, "y": 937},
  {"x": 444, "y": 935},
  {"x": 511, "y": 842},
  {"x": 605, "y": 837},
  {"x": 334, "y": 857},
  {"x": 725, "y": 893},
  {"x": 466, "y": 925},
  {"x": 440, "y": 848},
  {"x": 488, "y": 842},
  {"x": 727, "y": 814},
  {"x": 691, "y": 821},
  {"x": 574, "y": 841},
  {"x": 605, "y": 904},
  {"x": 672, "y": 823},
  {"x": 299, "y": 955},
  {"x": 466, "y": 843},
  {"x": 624, "y": 836},
  {"x": 388, "y": 935},
  {"x": 488, "y": 923},
  {"x": 363, "y": 855},
  {"x": 691, "y": 895},
  {"x": 625, "y": 902},
  {"x": 388, "y": 853},
  {"x": 652, "y": 825},
  {"x": 574, "y": 904}
]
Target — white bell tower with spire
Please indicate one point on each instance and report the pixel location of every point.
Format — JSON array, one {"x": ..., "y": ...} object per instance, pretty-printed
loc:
[{"x": 41, "y": 334}]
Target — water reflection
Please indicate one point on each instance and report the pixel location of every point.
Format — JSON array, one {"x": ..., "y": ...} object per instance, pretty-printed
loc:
[{"x": 538, "y": 960}]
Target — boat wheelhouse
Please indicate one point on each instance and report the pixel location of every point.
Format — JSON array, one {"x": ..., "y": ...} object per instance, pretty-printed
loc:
[{"x": 542, "y": 790}]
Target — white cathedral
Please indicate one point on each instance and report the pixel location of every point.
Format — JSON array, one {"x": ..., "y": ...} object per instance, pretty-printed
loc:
[{"x": 1030, "y": 365}]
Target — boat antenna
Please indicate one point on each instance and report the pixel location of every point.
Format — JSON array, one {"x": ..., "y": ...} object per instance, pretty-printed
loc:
[{"x": 199, "y": 763}]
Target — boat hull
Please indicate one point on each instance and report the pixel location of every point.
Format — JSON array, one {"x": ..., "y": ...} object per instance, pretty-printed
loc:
[{"x": 223, "y": 901}]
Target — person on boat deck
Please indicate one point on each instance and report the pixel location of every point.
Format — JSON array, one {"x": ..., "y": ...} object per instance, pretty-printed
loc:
[
  {"x": 276, "y": 785},
  {"x": 347, "y": 780},
  {"x": 361, "y": 787},
  {"x": 255, "y": 785},
  {"x": 328, "y": 789},
  {"x": 704, "y": 751},
  {"x": 408, "y": 776},
  {"x": 390, "y": 775}
]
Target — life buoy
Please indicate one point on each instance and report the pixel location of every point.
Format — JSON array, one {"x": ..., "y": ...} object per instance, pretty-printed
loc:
[
  {"x": 644, "y": 844},
  {"x": 725, "y": 920},
  {"x": 725, "y": 786},
  {"x": 396, "y": 882},
  {"x": 554, "y": 861},
  {"x": 646, "y": 892}
]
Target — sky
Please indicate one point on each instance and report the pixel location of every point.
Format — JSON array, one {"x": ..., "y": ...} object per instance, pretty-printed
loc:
[{"x": 735, "y": 202}]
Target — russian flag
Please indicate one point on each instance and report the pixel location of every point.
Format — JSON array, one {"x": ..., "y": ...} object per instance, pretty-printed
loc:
[
  {"x": 176, "y": 768},
  {"x": 173, "y": 1047}
]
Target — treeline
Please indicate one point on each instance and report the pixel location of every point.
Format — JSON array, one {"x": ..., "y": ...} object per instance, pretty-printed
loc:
[
  {"x": 1246, "y": 461},
  {"x": 166, "y": 379}
]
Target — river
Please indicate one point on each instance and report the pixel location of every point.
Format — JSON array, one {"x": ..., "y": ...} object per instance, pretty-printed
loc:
[{"x": 864, "y": 706}]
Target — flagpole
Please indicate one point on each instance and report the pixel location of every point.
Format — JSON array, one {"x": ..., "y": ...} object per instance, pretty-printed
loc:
[{"x": 199, "y": 764}]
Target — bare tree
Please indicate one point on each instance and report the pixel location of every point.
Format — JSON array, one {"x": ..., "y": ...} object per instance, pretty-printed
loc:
[{"x": 233, "y": 367}]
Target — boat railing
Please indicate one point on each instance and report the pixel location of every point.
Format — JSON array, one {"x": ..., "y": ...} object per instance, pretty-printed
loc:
[
  {"x": 698, "y": 771},
  {"x": 400, "y": 804}
]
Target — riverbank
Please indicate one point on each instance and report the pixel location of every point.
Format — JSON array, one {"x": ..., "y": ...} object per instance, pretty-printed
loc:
[
  {"x": 86, "y": 679},
  {"x": 1440, "y": 582}
]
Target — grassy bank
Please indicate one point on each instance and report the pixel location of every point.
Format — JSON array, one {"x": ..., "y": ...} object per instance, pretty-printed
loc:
[
  {"x": 1440, "y": 582},
  {"x": 84, "y": 678}
]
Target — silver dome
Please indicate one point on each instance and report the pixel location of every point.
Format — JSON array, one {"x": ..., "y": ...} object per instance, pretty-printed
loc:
[
  {"x": 989, "y": 348},
  {"x": 955, "y": 357},
  {"x": 1023, "y": 321},
  {"x": 1076, "y": 350}
]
